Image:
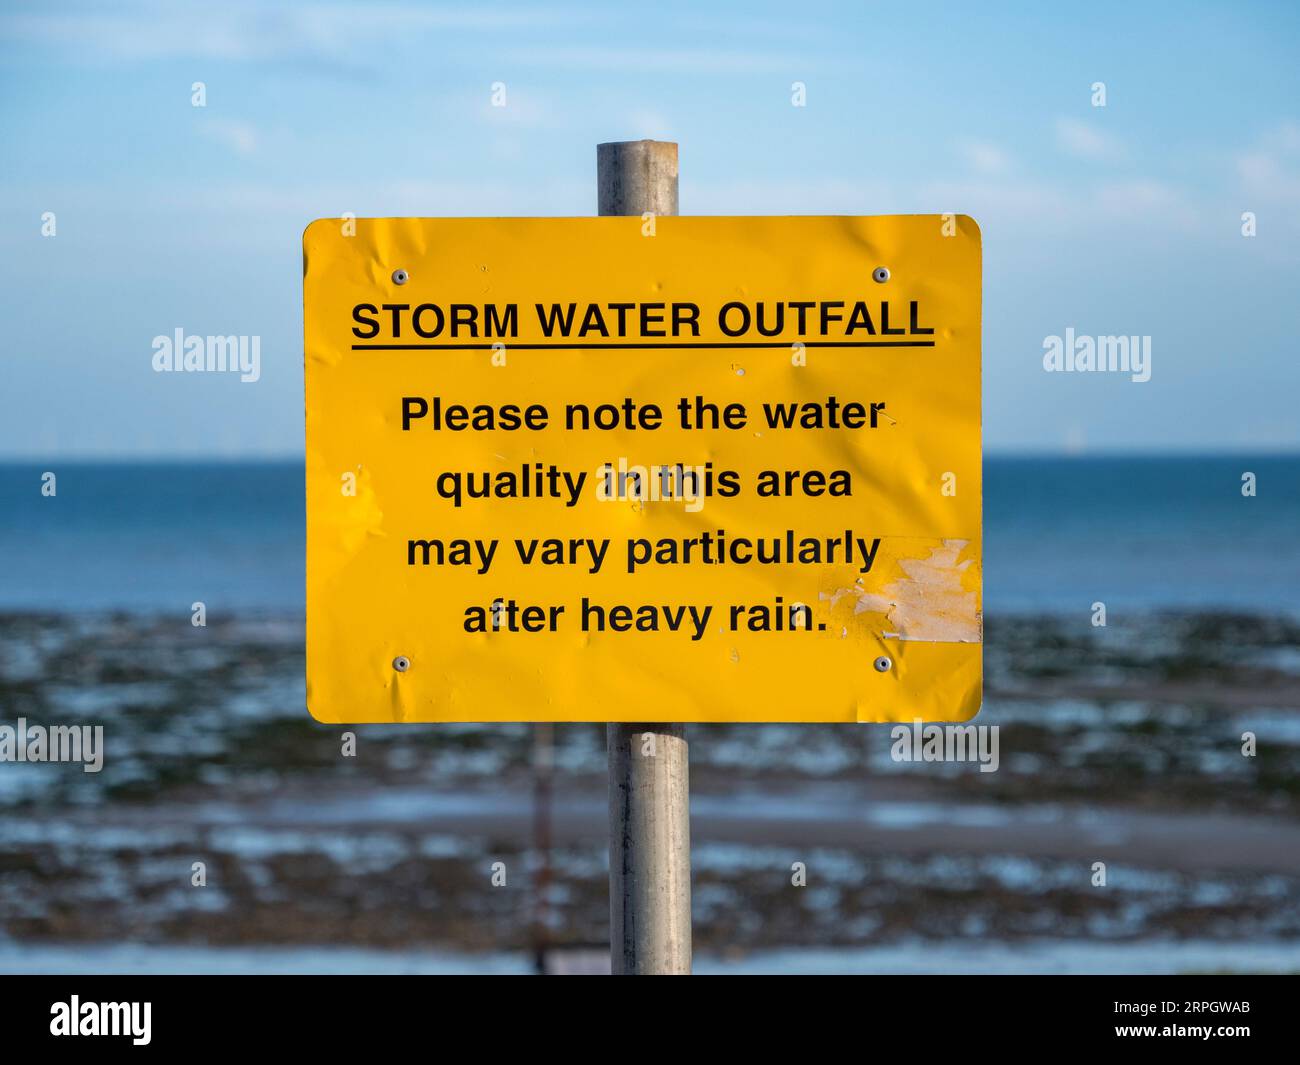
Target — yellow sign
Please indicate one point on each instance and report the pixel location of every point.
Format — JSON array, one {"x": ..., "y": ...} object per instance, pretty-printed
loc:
[{"x": 625, "y": 469}]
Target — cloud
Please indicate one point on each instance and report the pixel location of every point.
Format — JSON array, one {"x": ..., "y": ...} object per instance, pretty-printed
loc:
[
  {"x": 517, "y": 108},
  {"x": 239, "y": 137},
  {"x": 1040, "y": 207},
  {"x": 1032, "y": 206},
  {"x": 650, "y": 125},
  {"x": 1269, "y": 171},
  {"x": 242, "y": 30},
  {"x": 984, "y": 157},
  {"x": 1148, "y": 200},
  {"x": 700, "y": 61},
  {"x": 1085, "y": 141}
]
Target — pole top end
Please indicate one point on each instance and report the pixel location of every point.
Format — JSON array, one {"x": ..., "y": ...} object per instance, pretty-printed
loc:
[
  {"x": 645, "y": 140},
  {"x": 633, "y": 177}
]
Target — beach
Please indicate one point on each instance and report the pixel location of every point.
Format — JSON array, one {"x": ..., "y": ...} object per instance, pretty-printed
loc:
[{"x": 1120, "y": 744}]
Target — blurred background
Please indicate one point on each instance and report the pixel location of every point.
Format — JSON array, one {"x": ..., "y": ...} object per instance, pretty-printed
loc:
[{"x": 1120, "y": 743}]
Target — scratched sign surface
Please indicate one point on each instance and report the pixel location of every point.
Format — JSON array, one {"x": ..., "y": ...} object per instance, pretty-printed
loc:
[{"x": 674, "y": 469}]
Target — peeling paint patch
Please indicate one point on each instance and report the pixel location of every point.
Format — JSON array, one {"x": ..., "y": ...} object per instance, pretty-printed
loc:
[{"x": 929, "y": 602}]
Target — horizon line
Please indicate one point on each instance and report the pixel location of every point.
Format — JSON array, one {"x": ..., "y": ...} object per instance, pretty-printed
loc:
[{"x": 278, "y": 458}]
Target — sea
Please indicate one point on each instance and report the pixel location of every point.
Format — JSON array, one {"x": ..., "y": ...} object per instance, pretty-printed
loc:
[{"x": 1137, "y": 533}]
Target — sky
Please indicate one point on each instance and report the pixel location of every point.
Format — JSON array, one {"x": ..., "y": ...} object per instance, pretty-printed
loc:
[{"x": 1117, "y": 220}]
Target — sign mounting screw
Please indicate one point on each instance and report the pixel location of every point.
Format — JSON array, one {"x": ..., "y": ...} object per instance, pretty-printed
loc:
[
  {"x": 400, "y": 277},
  {"x": 883, "y": 664},
  {"x": 880, "y": 274},
  {"x": 401, "y": 663}
]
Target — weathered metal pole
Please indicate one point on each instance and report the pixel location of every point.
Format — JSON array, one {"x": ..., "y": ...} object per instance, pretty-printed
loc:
[{"x": 649, "y": 793}]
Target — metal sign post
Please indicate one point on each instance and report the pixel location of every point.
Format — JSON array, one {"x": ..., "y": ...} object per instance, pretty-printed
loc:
[{"x": 649, "y": 790}]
